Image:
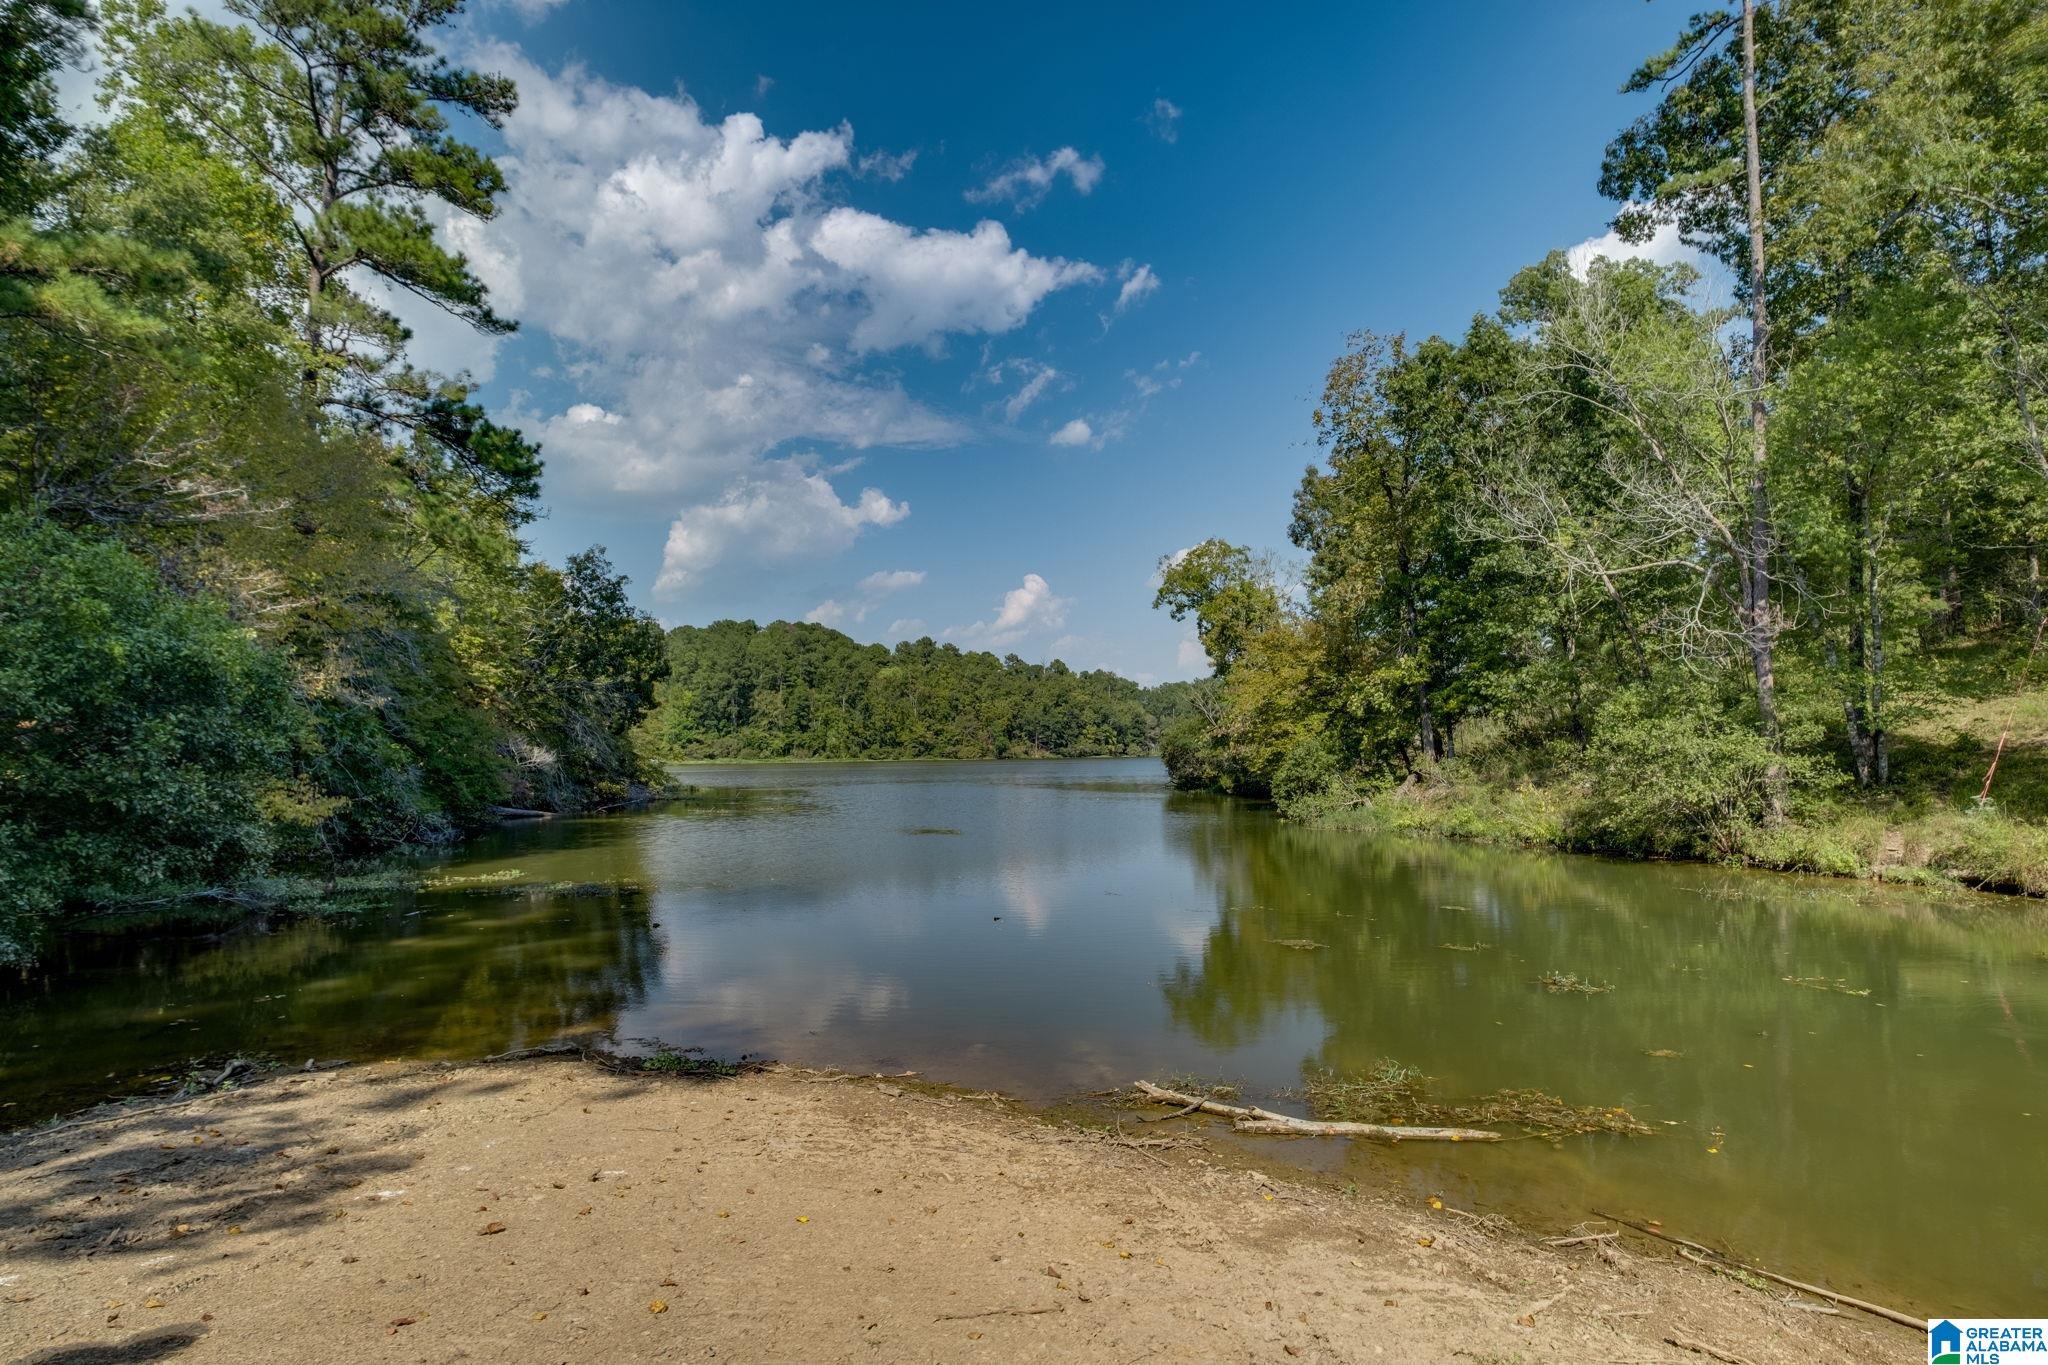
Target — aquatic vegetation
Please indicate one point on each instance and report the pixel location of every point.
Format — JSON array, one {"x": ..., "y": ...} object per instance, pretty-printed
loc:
[
  {"x": 1394, "y": 1093},
  {"x": 1570, "y": 983},
  {"x": 1822, "y": 983}
]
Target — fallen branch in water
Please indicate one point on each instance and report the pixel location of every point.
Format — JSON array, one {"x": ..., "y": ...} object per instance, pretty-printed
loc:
[
  {"x": 1580, "y": 1241},
  {"x": 1877, "y": 1309},
  {"x": 1252, "y": 1120}
]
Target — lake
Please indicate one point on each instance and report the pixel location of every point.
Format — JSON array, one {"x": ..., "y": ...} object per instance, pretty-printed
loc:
[{"x": 1857, "y": 1094}]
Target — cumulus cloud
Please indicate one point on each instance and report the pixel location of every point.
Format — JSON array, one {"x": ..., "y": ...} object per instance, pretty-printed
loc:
[
  {"x": 784, "y": 511},
  {"x": 1163, "y": 118},
  {"x": 708, "y": 295},
  {"x": 1075, "y": 433},
  {"x": 1026, "y": 181},
  {"x": 1189, "y": 653},
  {"x": 1663, "y": 247},
  {"x": 923, "y": 284},
  {"x": 906, "y": 628},
  {"x": 1027, "y": 609}
]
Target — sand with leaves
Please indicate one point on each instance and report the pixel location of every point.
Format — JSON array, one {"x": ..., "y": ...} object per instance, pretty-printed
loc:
[{"x": 547, "y": 1210}]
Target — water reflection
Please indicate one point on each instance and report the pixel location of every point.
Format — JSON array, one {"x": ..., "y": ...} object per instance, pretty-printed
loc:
[{"x": 435, "y": 975}]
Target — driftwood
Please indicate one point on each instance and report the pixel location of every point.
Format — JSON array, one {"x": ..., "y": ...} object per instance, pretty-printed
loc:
[
  {"x": 519, "y": 813},
  {"x": 1251, "y": 1120},
  {"x": 1702, "y": 1348},
  {"x": 1876, "y": 1309}
]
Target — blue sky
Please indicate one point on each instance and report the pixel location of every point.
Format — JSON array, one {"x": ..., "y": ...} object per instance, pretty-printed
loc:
[{"x": 782, "y": 368}]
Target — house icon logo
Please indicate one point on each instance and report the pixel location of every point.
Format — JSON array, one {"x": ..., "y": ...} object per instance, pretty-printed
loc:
[{"x": 1944, "y": 1344}]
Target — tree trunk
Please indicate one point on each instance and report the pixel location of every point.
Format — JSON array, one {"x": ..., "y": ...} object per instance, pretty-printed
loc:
[{"x": 1758, "y": 627}]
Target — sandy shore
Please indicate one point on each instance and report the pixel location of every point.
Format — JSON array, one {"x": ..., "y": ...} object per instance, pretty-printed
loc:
[{"x": 550, "y": 1211}]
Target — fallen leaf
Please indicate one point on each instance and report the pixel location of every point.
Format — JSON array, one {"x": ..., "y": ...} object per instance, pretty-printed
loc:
[
  {"x": 540, "y": 1317},
  {"x": 403, "y": 1322},
  {"x": 153, "y": 1303},
  {"x": 802, "y": 1219},
  {"x": 1526, "y": 1320},
  {"x": 1425, "y": 1241},
  {"x": 490, "y": 1229},
  {"x": 658, "y": 1306},
  {"x": 1435, "y": 1202}
]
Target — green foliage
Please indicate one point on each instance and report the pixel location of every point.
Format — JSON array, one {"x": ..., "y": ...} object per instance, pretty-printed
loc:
[
  {"x": 1593, "y": 576},
  {"x": 789, "y": 690},
  {"x": 1229, "y": 591},
  {"x": 1674, "y": 777},
  {"x": 37, "y": 38},
  {"x": 261, "y": 600},
  {"x": 145, "y": 733}
]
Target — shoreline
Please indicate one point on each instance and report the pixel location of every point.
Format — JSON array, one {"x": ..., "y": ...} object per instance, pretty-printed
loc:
[{"x": 540, "y": 1207}]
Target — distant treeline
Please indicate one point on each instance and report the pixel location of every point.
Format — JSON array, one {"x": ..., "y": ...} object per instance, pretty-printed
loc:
[{"x": 789, "y": 690}]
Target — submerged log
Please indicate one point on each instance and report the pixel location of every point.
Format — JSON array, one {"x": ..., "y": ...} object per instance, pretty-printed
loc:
[{"x": 1248, "y": 1119}]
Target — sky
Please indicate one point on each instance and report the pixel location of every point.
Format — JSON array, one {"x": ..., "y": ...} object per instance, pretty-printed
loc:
[{"x": 951, "y": 320}]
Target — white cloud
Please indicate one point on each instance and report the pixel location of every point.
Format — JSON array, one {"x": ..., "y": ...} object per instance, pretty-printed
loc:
[
  {"x": 704, "y": 289},
  {"x": 891, "y": 580},
  {"x": 762, "y": 84},
  {"x": 1026, "y": 181},
  {"x": 1035, "y": 377},
  {"x": 533, "y": 11},
  {"x": 1189, "y": 653},
  {"x": 1663, "y": 247},
  {"x": 1027, "y": 609},
  {"x": 1138, "y": 283},
  {"x": 1075, "y": 433},
  {"x": 921, "y": 285},
  {"x": 784, "y": 511},
  {"x": 1163, "y": 118},
  {"x": 906, "y": 628},
  {"x": 867, "y": 596},
  {"x": 889, "y": 166}
]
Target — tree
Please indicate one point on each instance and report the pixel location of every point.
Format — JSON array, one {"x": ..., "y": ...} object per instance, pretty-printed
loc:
[
  {"x": 147, "y": 737},
  {"x": 1231, "y": 592},
  {"x": 37, "y": 39},
  {"x": 341, "y": 106}
]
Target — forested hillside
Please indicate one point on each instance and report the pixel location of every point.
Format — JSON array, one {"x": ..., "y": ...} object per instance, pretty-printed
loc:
[
  {"x": 788, "y": 690},
  {"x": 263, "y": 597},
  {"x": 1631, "y": 566}
]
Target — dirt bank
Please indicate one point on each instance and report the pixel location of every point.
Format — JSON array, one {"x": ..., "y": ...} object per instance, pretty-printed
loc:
[{"x": 549, "y": 1211}]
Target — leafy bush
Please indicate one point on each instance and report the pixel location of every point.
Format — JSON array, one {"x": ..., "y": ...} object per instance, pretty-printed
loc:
[
  {"x": 143, "y": 731},
  {"x": 1678, "y": 779}
]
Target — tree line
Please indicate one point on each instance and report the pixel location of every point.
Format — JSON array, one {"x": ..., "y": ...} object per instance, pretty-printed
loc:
[
  {"x": 1695, "y": 562},
  {"x": 263, "y": 593},
  {"x": 799, "y": 690}
]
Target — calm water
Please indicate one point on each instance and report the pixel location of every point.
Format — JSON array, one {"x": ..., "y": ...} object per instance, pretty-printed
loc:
[{"x": 1052, "y": 928}]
